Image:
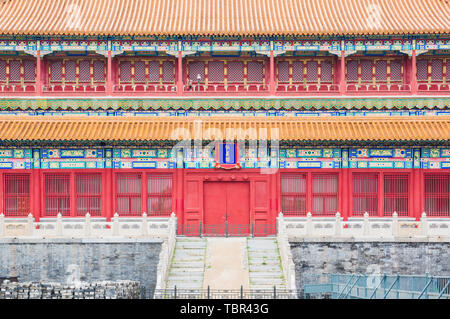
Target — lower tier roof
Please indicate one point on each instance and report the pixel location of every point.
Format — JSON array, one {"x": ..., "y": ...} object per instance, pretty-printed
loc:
[{"x": 84, "y": 128}]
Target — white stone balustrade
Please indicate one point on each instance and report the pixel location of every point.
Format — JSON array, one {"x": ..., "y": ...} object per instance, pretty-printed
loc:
[
  {"x": 367, "y": 228},
  {"x": 87, "y": 227},
  {"x": 285, "y": 253}
]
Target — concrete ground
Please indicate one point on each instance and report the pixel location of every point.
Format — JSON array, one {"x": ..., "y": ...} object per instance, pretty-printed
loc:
[{"x": 226, "y": 264}]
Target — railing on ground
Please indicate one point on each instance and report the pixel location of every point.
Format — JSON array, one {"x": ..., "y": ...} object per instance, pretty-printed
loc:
[
  {"x": 378, "y": 87},
  {"x": 434, "y": 87},
  {"x": 380, "y": 286},
  {"x": 226, "y": 88},
  {"x": 227, "y": 230},
  {"x": 75, "y": 88},
  {"x": 145, "y": 88},
  {"x": 177, "y": 293},
  {"x": 17, "y": 87}
]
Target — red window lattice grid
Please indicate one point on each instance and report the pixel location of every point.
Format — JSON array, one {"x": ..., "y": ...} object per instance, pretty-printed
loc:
[
  {"x": 57, "y": 194},
  {"x": 216, "y": 71},
  {"x": 88, "y": 194},
  {"x": 56, "y": 71},
  {"x": 297, "y": 71},
  {"x": 99, "y": 71},
  {"x": 153, "y": 71},
  {"x": 436, "y": 70},
  {"x": 437, "y": 195},
  {"x": 312, "y": 71},
  {"x": 293, "y": 195},
  {"x": 352, "y": 71},
  {"x": 197, "y": 71},
  {"x": 283, "y": 72},
  {"x": 396, "y": 194},
  {"x": 235, "y": 71},
  {"x": 85, "y": 71},
  {"x": 396, "y": 71},
  {"x": 128, "y": 194},
  {"x": 381, "y": 70},
  {"x": 324, "y": 194},
  {"x": 447, "y": 75},
  {"x": 2, "y": 71},
  {"x": 159, "y": 195},
  {"x": 255, "y": 71},
  {"x": 326, "y": 72},
  {"x": 168, "y": 71},
  {"x": 29, "y": 70},
  {"x": 366, "y": 70},
  {"x": 365, "y": 194},
  {"x": 125, "y": 71},
  {"x": 71, "y": 71},
  {"x": 14, "y": 70},
  {"x": 422, "y": 70},
  {"x": 139, "y": 71},
  {"x": 17, "y": 195}
]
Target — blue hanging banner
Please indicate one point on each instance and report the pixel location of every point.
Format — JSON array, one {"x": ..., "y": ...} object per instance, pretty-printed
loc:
[{"x": 227, "y": 153}]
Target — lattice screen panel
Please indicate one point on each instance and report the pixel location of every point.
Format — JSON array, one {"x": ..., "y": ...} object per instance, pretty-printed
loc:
[
  {"x": 325, "y": 194},
  {"x": 128, "y": 194},
  {"x": 153, "y": 69},
  {"x": 396, "y": 194},
  {"x": 57, "y": 194},
  {"x": 2, "y": 71},
  {"x": 196, "y": 69},
  {"x": 293, "y": 195},
  {"x": 365, "y": 194},
  {"x": 29, "y": 69},
  {"x": 88, "y": 194},
  {"x": 14, "y": 71},
  {"x": 437, "y": 195},
  {"x": 17, "y": 195},
  {"x": 99, "y": 71},
  {"x": 159, "y": 197},
  {"x": 422, "y": 70},
  {"x": 71, "y": 71},
  {"x": 168, "y": 69},
  {"x": 139, "y": 71},
  {"x": 85, "y": 71},
  {"x": 436, "y": 70},
  {"x": 216, "y": 71},
  {"x": 235, "y": 71},
  {"x": 255, "y": 71},
  {"x": 56, "y": 71},
  {"x": 125, "y": 71}
]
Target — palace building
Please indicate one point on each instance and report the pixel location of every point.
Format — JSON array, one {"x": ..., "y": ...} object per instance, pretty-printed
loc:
[{"x": 225, "y": 112}]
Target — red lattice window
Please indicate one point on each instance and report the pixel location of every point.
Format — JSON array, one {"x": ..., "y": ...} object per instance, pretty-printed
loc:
[
  {"x": 293, "y": 195},
  {"x": 216, "y": 71},
  {"x": 85, "y": 71},
  {"x": 436, "y": 70},
  {"x": 88, "y": 194},
  {"x": 324, "y": 194},
  {"x": 381, "y": 70},
  {"x": 396, "y": 71},
  {"x": 235, "y": 71},
  {"x": 71, "y": 71},
  {"x": 352, "y": 71},
  {"x": 437, "y": 195},
  {"x": 29, "y": 70},
  {"x": 2, "y": 71},
  {"x": 139, "y": 71},
  {"x": 125, "y": 71},
  {"x": 128, "y": 194},
  {"x": 365, "y": 194},
  {"x": 14, "y": 71},
  {"x": 327, "y": 71},
  {"x": 197, "y": 71},
  {"x": 447, "y": 76},
  {"x": 153, "y": 68},
  {"x": 159, "y": 195},
  {"x": 56, "y": 71},
  {"x": 422, "y": 70},
  {"x": 366, "y": 70},
  {"x": 283, "y": 72},
  {"x": 17, "y": 195},
  {"x": 99, "y": 71},
  {"x": 396, "y": 194},
  {"x": 312, "y": 71},
  {"x": 57, "y": 194},
  {"x": 168, "y": 71},
  {"x": 255, "y": 71},
  {"x": 297, "y": 71}
]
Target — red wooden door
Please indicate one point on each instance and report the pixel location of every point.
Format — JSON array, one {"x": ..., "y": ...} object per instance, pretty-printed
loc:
[{"x": 226, "y": 208}]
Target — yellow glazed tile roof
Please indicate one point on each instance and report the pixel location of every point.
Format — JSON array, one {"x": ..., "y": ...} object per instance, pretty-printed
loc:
[
  {"x": 224, "y": 17},
  {"x": 70, "y": 128}
]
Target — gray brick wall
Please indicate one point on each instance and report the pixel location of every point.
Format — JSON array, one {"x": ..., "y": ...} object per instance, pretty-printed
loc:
[
  {"x": 49, "y": 260},
  {"x": 312, "y": 259}
]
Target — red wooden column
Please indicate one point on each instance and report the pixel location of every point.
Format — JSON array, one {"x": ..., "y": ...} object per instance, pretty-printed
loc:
[
  {"x": 272, "y": 74},
  {"x": 38, "y": 73},
  {"x": 342, "y": 79},
  {"x": 417, "y": 193},
  {"x": 180, "y": 73},
  {"x": 346, "y": 193},
  {"x": 413, "y": 73},
  {"x": 36, "y": 194},
  {"x": 108, "y": 195},
  {"x": 109, "y": 82}
]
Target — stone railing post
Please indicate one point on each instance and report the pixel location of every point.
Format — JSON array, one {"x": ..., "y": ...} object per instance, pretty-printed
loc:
[
  {"x": 87, "y": 225},
  {"x": 309, "y": 225},
  {"x": 395, "y": 224},
  {"x": 30, "y": 225},
  {"x": 2, "y": 225},
  {"x": 366, "y": 224},
  {"x": 144, "y": 225},
  {"x": 338, "y": 225},
  {"x": 280, "y": 223},
  {"x": 115, "y": 225},
  {"x": 424, "y": 224},
  {"x": 59, "y": 226}
]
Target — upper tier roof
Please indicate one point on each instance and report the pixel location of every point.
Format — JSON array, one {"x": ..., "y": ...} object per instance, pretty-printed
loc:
[{"x": 224, "y": 17}]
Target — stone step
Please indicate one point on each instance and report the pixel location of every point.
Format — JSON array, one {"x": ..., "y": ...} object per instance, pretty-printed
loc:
[
  {"x": 264, "y": 268},
  {"x": 268, "y": 287},
  {"x": 190, "y": 240},
  {"x": 266, "y": 281},
  {"x": 266, "y": 275},
  {"x": 262, "y": 254},
  {"x": 189, "y": 246},
  {"x": 188, "y": 264},
  {"x": 263, "y": 262},
  {"x": 198, "y": 272},
  {"x": 184, "y": 277},
  {"x": 185, "y": 285}
]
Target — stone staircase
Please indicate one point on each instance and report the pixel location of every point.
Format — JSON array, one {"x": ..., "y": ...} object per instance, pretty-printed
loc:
[
  {"x": 265, "y": 270},
  {"x": 188, "y": 263}
]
